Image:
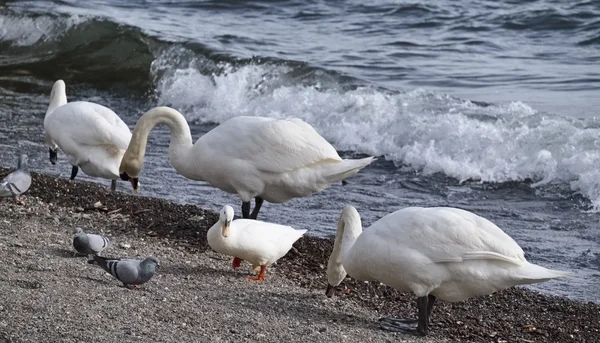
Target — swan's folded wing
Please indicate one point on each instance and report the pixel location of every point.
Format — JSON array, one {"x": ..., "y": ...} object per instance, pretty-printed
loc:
[
  {"x": 257, "y": 235},
  {"x": 272, "y": 145},
  {"x": 444, "y": 235}
]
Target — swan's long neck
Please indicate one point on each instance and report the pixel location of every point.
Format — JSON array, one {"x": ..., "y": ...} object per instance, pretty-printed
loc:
[
  {"x": 348, "y": 230},
  {"x": 181, "y": 138},
  {"x": 58, "y": 96}
]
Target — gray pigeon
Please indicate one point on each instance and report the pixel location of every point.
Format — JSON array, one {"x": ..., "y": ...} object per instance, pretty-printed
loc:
[
  {"x": 17, "y": 182},
  {"x": 89, "y": 244},
  {"x": 130, "y": 272}
]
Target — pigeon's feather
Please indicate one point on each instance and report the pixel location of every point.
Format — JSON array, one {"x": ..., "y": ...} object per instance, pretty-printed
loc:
[
  {"x": 129, "y": 272},
  {"x": 90, "y": 244},
  {"x": 15, "y": 183}
]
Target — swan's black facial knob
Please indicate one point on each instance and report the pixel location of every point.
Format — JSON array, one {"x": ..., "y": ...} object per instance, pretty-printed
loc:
[
  {"x": 124, "y": 176},
  {"x": 134, "y": 182}
]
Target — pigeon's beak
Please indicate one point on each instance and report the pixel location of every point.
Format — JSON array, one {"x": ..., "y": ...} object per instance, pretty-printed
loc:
[
  {"x": 329, "y": 291},
  {"x": 53, "y": 155},
  {"x": 226, "y": 226}
]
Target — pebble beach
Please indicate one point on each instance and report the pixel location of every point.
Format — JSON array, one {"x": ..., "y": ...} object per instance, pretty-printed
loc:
[{"x": 50, "y": 294}]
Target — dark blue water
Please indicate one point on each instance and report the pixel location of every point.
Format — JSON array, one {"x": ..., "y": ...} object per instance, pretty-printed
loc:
[{"x": 485, "y": 105}]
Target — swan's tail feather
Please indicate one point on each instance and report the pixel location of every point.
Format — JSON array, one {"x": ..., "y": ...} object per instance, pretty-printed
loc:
[
  {"x": 339, "y": 171},
  {"x": 532, "y": 273}
]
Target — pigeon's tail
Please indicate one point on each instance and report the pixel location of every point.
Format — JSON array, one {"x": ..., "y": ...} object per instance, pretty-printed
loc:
[
  {"x": 99, "y": 260},
  {"x": 5, "y": 190}
]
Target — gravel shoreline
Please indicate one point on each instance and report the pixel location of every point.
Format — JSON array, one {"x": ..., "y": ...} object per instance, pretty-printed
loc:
[{"x": 49, "y": 295}]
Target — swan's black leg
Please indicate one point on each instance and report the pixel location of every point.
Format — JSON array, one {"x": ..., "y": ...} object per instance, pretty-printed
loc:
[
  {"x": 430, "y": 302},
  {"x": 246, "y": 209},
  {"x": 113, "y": 185},
  {"x": 425, "y": 307},
  {"x": 53, "y": 155},
  {"x": 74, "y": 172},
  {"x": 258, "y": 201}
]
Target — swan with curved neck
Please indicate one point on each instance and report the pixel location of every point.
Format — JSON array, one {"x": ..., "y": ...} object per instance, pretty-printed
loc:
[
  {"x": 255, "y": 157},
  {"x": 58, "y": 97},
  {"x": 92, "y": 136},
  {"x": 438, "y": 252}
]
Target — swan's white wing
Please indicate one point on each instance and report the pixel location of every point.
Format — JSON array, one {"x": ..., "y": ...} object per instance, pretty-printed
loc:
[
  {"x": 271, "y": 145},
  {"x": 447, "y": 235},
  {"x": 257, "y": 235},
  {"x": 88, "y": 123}
]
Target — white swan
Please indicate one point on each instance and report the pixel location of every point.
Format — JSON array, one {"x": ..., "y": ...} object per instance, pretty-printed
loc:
[
  {"x": 255, "y": 157},
  {"x": 439, "y": 252},
  {"x": 92, "y": 136},
  {"x": 258, "y": 242}
]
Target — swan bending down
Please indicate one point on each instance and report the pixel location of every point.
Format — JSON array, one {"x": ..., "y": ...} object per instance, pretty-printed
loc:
[
  {"x": 92, "y": 136},
  {"x": 255, "y": 157},
  {"x": 438, "y": 252},
  {"x": 258, "y": 242}
]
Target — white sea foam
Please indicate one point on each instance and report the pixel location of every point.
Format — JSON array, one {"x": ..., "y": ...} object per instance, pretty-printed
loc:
[
  {"x": 22, "y": 30},
  {"x": 426, "y": 131}
]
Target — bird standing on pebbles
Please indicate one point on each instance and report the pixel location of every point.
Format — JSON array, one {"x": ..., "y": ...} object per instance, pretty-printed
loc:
[
  {"x": 88, "y": 243},
  {"x": 131, "y": 273},
  {"x": 438, "y": 252},
  {"x": 17, "y": 182},
  {"x": 93, "y": 137},
  {"x": 256, "y": 241}
]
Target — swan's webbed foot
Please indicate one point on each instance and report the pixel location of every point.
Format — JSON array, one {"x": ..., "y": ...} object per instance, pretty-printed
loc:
[
  {"x": 405, "y": 321},
  {"x": 113, "y": 185},
  {"x": 74, "y": 172},
  {"x": 425, "y": 307},
  {"x": 261, "y": 274},
  {"x": 406, "y": 326}
]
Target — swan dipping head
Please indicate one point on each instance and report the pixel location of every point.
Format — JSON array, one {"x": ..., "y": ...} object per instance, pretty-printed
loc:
[
  {"x": 130, "y": 169},
  {"x": 135, "y": 182},
  {"x": 348, "y": 228},
  {"x": 225, "y": 218}
]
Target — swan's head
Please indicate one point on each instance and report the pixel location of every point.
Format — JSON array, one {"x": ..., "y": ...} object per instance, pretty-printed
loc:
[
  {"x": 335, "y": 275},
  {"x": 129, "y": 171},
  {"x": 58, "y": 89},
  {"x": 225, "y": 218}
]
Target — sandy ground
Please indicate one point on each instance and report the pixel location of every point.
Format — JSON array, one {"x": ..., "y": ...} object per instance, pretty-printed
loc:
[{"x": 50, "y": 295}]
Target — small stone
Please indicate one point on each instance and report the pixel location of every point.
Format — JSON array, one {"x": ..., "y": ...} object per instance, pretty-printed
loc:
[
  {"x": 124, "y": 245},
  {"x": 196, "y": 218},
  {"x": 322, "y": 329},
  {"x": 98, "y": 204}
]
